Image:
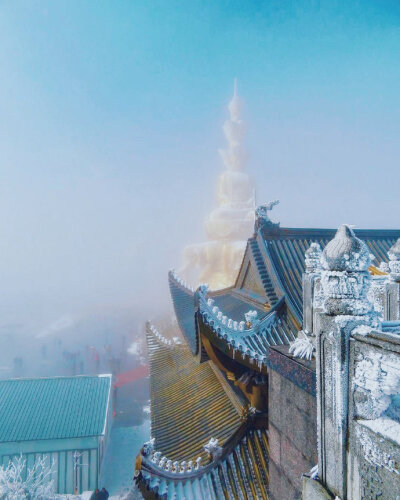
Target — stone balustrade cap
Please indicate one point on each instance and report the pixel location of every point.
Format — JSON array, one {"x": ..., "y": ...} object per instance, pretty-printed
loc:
[
  {"x": 346, "y": 252},
  {"x": 394, "y": 252}
]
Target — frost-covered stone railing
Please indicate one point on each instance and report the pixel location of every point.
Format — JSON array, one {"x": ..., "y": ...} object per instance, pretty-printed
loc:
[
  {"x": 234, "y": 333},
  {"x": 168, "y": 342},
  {"x": 358, "y": 374},
  {"x": 335, "y": 281}
]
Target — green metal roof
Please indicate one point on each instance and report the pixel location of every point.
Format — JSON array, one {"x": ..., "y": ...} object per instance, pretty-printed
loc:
[{"x": 53, "y": 408}]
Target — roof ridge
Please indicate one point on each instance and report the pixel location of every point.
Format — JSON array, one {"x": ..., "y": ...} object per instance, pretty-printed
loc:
[{"x": 51, "y": 377}]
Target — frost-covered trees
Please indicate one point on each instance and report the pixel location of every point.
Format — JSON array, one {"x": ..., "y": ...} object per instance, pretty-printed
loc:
[{"x": 19, "y": 482}]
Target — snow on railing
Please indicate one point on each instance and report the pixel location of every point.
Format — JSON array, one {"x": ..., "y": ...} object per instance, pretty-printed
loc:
[
  {"x": 165, "y": 464},
  {"x": 161, "y": 338},
  {"x": 234, "y": 332},
  {"x": 180, "y": 281}
]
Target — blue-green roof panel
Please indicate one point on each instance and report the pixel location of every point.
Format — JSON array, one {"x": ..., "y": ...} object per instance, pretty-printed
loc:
[{"x": 53, "y": 408}]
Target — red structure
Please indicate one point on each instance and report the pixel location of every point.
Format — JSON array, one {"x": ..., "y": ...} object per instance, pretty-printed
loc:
[{"x": 131, "y": 375}]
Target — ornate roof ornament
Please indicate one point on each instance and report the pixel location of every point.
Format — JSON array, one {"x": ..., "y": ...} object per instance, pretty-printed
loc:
[
  {"x": 262, "y": 217},
  {"x": 148, "y": 447},
  {"x": 213, "y": 449},
  {"x": 313, "y": 258},
  {"x": 394, "y": 261},
  {"x": 345, "y": 278},
  {"x": 251, "y": 318}
]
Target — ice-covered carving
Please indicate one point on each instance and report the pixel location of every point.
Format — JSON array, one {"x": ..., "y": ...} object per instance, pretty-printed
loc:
[
  {"x": 303, "y": 347},
  {"x": 376, "y": 380},
  {"x": 213, "y": 449},
  {"x": 394, "y": 261},
  {"x": 156, "y": 457},
  {"x": 263, "y": 217},
  {"x": 345, "y": 278},
  {"x": 380, "y": 452},
  {"x": 313, "y": 258},
  {"x": 346, "y": 252},
  {"x": 377, "y": 294},
  {"x": 251, "y": 318},
  {"x": 148, "y": 447}
]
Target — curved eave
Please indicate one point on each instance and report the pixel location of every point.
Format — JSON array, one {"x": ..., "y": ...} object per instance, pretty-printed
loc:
[
  {"x": 241, "y": 467},
  {"x": 261, "y": 348},
  {"x": 250, "y": 346}
]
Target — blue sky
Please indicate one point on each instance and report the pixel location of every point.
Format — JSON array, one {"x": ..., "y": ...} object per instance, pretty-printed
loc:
[{"x": 111, "y": 116}]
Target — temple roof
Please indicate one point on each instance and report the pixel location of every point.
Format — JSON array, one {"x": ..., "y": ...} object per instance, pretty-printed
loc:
[
  {"x": 285, "y": 250},
  {"x": 189, "y": 401},
  {"x": 240, "y": 473},
  {"x": 269, "y": 283}
]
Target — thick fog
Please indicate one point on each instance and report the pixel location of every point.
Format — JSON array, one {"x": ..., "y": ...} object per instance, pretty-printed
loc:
[{"x": 110, "y": 122}]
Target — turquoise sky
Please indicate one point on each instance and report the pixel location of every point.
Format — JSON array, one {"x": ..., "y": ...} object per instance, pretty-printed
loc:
[{"x": 111, "y": 115}]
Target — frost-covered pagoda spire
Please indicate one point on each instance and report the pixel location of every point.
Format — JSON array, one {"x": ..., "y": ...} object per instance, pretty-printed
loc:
[
  {"x": 234, "y": 158},
  {"x": 229, "y": 224}
]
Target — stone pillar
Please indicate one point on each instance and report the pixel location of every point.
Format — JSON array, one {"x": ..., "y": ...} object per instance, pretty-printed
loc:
[
  {"x": 392, "y": 306},
  {"x": 313, "y": 271},
  {"x": 345, "y": 282}
]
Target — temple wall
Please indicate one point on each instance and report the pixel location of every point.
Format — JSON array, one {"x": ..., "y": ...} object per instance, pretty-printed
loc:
[
  {"x": 374, "y": 433},
  {"x": 292, "y": 436}
]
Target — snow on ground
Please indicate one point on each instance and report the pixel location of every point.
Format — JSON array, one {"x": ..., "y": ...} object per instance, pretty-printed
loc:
[
  {"x": 134, "y": 348},
  {"x": 119, "y": 461}
]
